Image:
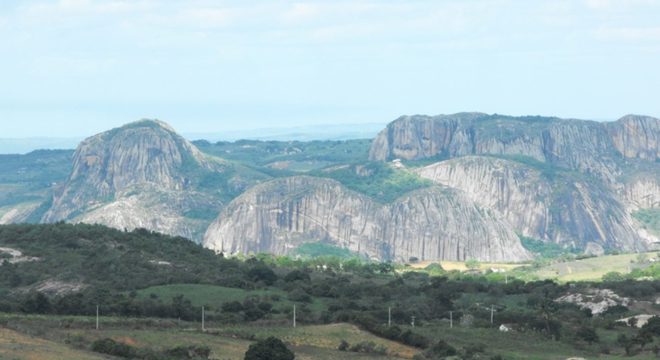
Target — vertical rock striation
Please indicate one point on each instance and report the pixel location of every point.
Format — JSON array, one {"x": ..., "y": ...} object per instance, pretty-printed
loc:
[
  {"x": 138, "y": 175},
  {"x": 432, "y": 223}
]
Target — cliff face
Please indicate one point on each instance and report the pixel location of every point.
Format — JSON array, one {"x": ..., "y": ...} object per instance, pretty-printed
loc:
[
  {"x": 571, "y": 182},
  {"x": 563, "y": 209},
  {"x": 585, "y": 146},
  {"x": 135, "y": 176},
  {"x": 636, "y": 136},
  {"x": 433, "y": 223},
  {"x": 521, "y": 195}
]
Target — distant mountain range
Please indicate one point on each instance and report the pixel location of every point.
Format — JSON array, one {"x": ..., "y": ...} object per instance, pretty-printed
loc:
[
  {"x": 451, "y": 187},
  {"x": 295, "y": 133}
]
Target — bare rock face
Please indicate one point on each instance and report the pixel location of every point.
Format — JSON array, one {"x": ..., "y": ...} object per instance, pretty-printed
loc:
[
  {"x": 636, "y": 136},
  {"x": 599, "y": 172},
  {"x": 642, "y": 191},
  {"x": 521, "y": 195},
  {"x": 586, "y": 146},
  {"x": 135, "y": 176},
  {"x": 564, "y": 210},
  {"x": 432, "y": 223}
]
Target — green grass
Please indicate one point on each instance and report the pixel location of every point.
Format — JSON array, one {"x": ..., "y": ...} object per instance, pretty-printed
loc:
[
  {"x": 514, "y": 345},
  {"x": 650, "y": 219},
  {"x": 320, "y": 336},
  {"x": 318, "y": 249},
  {"x": 591, "y": 269},
  {"x": 377, "y": 180},
  {"x": 205, "y": 294},
  {"x": 215, "y": 296},
  {"x": 543, "y": 249},
  {"x": 48, "y": 335}
]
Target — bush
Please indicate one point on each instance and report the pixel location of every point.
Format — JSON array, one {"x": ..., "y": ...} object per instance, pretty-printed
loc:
[
  {"x": 587, "y": 334},
  {"x": 111, "y": 347},
  {"x": 440, "y": 349},
  {"x": 271, "y": 348},
  {"x": 261, "y": 272},
  {"x": 189, "y": 352},
  {"x": 300, "y": 295},
  {"x": 232, "y": 307},
  {"x": 368, "y": 347},
  {"x": 343, "y": 345},
  {"x": 297, "y": 275}
]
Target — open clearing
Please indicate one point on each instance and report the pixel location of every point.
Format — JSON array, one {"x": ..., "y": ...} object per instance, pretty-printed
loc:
[
  {"x": 14, "y": 345},
  {"x": 591, "y": 268}
]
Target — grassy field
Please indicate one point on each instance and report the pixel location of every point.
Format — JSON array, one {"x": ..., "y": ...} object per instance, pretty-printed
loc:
[
  {"x": 591, "y": 268},
  {"x": 516, "y": 345},
  {"x": 59, "y": 337},
  {"x": 214, "y": 296},
  {"x": 460, "y": 265},
  {"x": 17, "y": 346},
  {"x": 321, "y": 336}
]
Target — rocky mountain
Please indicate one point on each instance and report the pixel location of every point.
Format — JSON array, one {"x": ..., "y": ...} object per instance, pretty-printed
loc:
[
  {"x": 571, "y": 182},
  {"x": 566, "y": 210},
  {"x": 453, "y": 187},
  {"x": 586, "y": 146},
  {"x": 432, "y": 223},
  {"x": 144, "y": 175}
]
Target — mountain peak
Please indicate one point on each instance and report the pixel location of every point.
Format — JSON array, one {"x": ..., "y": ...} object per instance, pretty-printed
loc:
[
  {"x": 149, "y": 123},
  {"x": 142, "y": 153}
]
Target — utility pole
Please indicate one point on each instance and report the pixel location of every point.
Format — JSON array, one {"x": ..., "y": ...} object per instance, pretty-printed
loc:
[
  {"x": 451, "y": 319},
  {"x": 97, "y": 317},
  {"x": 294, "y": 315},
  {"x": 413, "y": 322},
  {"x": 203, "y": 328},
  {"x": 492, "y": 311},
  {"x": 389, "y": 316}
]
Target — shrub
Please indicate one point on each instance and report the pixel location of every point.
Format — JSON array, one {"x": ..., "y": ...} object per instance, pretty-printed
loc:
[
  {"x": 300, "y": 295},
  {"x": 368, "y": 347},
  {"x": 271, "y": 348},
  {"x": 440, "y": 349},
  {"x": 111, "y": 347},
  {"x": 232, "y": 307},
  {"x": 189, "y": 352},
  {"x": 587, "y": 334},
  {"x": 343, "y": 345}
]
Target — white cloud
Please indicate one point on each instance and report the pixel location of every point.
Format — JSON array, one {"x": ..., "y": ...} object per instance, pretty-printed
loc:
[
  {"x": 629, "y": 33},
  {"x": 86, "y": 7},
  {"x": 618, "y": 4}
]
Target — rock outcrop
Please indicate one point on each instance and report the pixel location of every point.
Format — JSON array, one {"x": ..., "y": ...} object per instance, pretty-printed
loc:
[
  {"x": 636, "y": 136},
  {"x": 139, "y": 175},
  {"x": 559, "y": 208},
  {"x": 431, "y": 223},
  {"x": 521, "y": 195},
  {"x": 572, "y": 182},
  {"x": 586, "y": 146}
]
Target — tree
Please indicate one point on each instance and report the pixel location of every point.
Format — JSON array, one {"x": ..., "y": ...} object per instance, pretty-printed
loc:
[
  {"x": 587, "y": 334},
  {"x": 271, "y": 348},
  {"x": 472, "y": 264},
  {"x": 624, "y": 342},
  {"x": 36, "y": 303},
  {"x": 652, "y": 326},
  {"x": 261, "y": 272}
]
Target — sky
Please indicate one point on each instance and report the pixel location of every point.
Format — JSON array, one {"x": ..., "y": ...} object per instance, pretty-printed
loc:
[{"x": 72, "y": 68}]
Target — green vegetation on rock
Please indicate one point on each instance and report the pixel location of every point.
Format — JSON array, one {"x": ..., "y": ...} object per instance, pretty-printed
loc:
[
  {"x": 650, "y": 219},
  {"x": 378, "y": 180}
]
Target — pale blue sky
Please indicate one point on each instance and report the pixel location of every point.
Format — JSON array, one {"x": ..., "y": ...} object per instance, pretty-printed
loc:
[{"x": 76, "y": 67}]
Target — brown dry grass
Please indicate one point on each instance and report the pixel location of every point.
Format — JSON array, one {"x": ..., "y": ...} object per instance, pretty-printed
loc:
[{"x": 17, "y": 346}]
